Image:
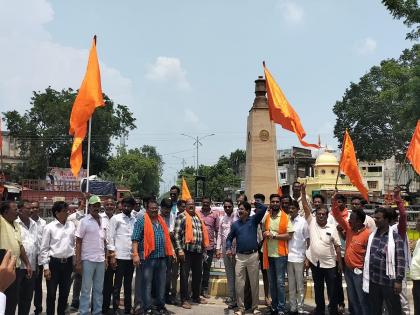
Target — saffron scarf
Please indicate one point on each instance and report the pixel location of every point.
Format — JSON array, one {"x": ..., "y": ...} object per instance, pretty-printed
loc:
[
  {"x": 149, "y": 236},
  {"x": 189, "y": 235},
  {"x": 282, "y": 248}
]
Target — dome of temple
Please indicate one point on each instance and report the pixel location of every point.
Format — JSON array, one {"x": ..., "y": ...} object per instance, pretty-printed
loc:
[{"x": 326, "y": 159}]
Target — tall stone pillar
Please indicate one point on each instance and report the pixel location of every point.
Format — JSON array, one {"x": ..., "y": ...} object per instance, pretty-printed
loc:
[{"x": 261, "y": 148}]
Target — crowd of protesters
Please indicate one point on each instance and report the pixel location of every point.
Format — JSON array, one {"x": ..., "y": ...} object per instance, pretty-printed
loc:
[{"x": 99, "y": 248}]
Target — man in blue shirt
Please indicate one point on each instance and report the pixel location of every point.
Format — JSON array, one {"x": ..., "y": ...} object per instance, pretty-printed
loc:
[{"x": 244, "y": 231}]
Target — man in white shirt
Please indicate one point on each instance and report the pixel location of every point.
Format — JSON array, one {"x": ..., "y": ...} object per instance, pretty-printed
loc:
[
  {"x": 40, "y": 222},
  {"x": 90, "y": 258},
  {"x": 30, "y": 241},
  {"x": 322, "y": 255},
  {"x": 57, "y": 250},
  {"x": 76, "y": 277},
  {"x": 224, "y": 228},
  {"x": 110, "y": 271},
  {"x": 120, "y": 229},
  {"x": 296, "y": 258}
]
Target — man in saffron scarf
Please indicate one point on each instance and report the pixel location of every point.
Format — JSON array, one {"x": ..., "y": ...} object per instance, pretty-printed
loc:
[
  {"x": 191, "y": 239},
  {"x": 278, "y": 229},
  {"x": 151, "y": 248}
]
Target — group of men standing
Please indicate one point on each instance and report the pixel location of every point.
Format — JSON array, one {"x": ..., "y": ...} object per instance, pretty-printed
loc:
[{"x": 101, "y": 251}]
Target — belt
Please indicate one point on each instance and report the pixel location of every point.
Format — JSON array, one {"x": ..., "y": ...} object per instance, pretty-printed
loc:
[
  {"x": 61, "y": 260},
  {"x": 248, "y": 252}
]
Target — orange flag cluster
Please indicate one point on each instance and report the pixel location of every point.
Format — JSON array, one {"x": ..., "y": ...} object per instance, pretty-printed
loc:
[
  {"x": 88, "y": 98},
  {"x": 348, "y": 165},
  {"x": 281, "y": 112},
  {"x": 413, "y": 152}
]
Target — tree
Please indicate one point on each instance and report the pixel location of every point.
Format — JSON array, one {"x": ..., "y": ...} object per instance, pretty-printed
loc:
[
  {"x": 408, "y": 10},
  {"x": 237, "y": 158},
  {"x": 138, "y": 169},
  {"x": 218, "y": 176},
  {"x": 43, "y": 138},
  {"x": 382, "y": 109}
]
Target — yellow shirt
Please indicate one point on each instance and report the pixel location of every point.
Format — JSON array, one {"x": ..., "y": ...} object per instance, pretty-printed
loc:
[
  {"x": 10, "y": 238},
  {"x": 272, "y": 245}
]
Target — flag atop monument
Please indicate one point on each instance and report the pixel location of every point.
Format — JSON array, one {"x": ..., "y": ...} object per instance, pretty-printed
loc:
[
  {"x": 88, "y": 98},
  {"x": 413, "y": 152},
  {"x": 348, "y": 165},
  {"x": 281, "y": 112}
]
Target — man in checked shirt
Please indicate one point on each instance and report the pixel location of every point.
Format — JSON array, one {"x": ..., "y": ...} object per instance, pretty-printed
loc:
[{"x": 384, "y": 266}]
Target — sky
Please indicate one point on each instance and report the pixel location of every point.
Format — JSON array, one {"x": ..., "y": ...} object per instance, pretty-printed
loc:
[{"x": 189, "y": 66}]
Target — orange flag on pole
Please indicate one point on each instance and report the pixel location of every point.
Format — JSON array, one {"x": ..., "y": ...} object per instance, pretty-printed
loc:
[
  {"x": 348, "y": 165},
  {"x": 281, "y": 112},
  {"x": 88, "y": 98},
  {"x": 413, "y": 152},
  {"x": 185, "y": 192}
]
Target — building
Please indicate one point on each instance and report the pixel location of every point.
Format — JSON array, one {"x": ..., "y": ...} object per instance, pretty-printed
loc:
[
  {"x": 324, "y": 180},
  {"x": 292, "y": 164},
  {"x": 10, "y": 151}
]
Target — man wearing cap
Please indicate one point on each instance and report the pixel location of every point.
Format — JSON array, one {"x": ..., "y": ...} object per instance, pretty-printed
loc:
[{"x": 90, "y": 258}]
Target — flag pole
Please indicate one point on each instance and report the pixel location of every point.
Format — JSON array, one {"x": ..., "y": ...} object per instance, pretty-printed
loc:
[
  {"x": 341, "y": 157},
  {"x": 88, "y": 162}
]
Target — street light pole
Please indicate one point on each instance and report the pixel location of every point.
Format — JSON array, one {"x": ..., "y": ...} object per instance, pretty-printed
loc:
[{"x": 197, "y": 143}]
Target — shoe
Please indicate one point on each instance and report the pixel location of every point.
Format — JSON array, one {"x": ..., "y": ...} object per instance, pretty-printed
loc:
[
  {"x": 256, "y": 312},
  {"x": 232, "y": 305},
  {"x": 186, "y": 305},
  {"x": 148, "y": 312},
  {"x": 200, "y": 301},
  {"x": 205, "y": 294},
  {"x": 239, "y": 312}
]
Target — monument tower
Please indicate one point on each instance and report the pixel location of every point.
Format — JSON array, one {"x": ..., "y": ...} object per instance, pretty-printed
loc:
[{"x": 261, "y": 148}]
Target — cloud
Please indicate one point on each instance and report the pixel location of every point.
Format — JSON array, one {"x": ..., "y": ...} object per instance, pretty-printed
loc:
[
  {"x": 366, "y": 47},
  {"x": 30, "y": 60},
  {"x": 291, "y": 12},
  {"x": 168, "y": 69},
  {"x": 190, "y": 116}
]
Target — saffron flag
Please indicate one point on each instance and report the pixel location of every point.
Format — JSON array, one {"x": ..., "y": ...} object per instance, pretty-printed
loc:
[
  {"x": 88, "y": 98},
  {"x": 281, "y": 112},
  {"x": 279, "y": 191},
  {"x": 413, "y": 152},
  {"x": 185, "y": 192},
  {"x": 348, "y": 165}
]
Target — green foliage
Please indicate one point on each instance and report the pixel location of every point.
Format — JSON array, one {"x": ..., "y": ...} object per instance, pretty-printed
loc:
[
  {"x": 42, "y": 132},
  {"x": 218, "y": 176},
  {"x": 382, "y": 109},
  {"x": 409, "y": 11},
  {"x": 138, "y": 169}
]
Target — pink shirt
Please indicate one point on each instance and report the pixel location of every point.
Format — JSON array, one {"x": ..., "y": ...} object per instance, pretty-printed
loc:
[
  {"x": 211, "y": 220},
  {"x": 224, "y": 229},
  {"x": 93, "y": 239}
]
